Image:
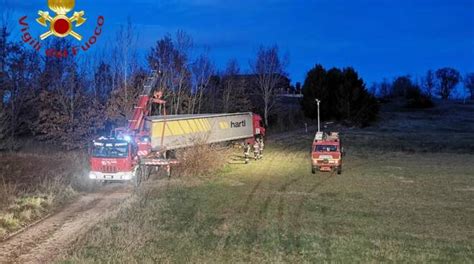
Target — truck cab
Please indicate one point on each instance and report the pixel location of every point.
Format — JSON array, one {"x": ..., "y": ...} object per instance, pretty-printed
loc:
[
  {"x": 326, "y": 153},
  {"x": 258, "y": 127},
  {"x": 112, "y": 159}
]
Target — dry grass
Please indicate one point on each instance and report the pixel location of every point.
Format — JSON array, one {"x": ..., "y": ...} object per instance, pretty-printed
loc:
[
  {"x": 8, "y": 192},
  {"x": 32, "y": 184},
  {"x": 389, "y": 205},
  {"x": 200, "y": 160},
  {"x": 279, "y": 212}
]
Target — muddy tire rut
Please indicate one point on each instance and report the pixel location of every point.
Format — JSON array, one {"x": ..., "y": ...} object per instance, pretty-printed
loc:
[{"x": 50, "y": 238}]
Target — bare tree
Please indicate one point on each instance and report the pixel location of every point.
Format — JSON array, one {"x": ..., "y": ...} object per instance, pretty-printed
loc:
[
  {"x": 181, "y": 82},
  {"x": 448, "y": 78},
  {"x": 3, "y": 59},
  {"x": 5, "y": 130},
  {"x": 120, "y": 104},
  {"x": 202, "y": 71},
  {"x": 385, "y": 89},
  {"x": 102, "y": 82},
  {"x": 229, "y": 84},
  {"x": 429, "y": 83},
  {"x": 68, "y": 114},
  {"x": 125, "y": 53},
  {"x": 469, "y": 84},
  {"x": 269, "y": 69},
  {"x": 171, "y": 59},
  {"x": 4, "y": 33}
]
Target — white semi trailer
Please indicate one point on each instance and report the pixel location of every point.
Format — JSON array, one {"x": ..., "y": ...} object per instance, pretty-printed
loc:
[{"x": 180, "y": 131}]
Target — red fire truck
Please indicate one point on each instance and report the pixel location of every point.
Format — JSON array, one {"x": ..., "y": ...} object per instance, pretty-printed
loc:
[
  {"x": 148, "y": 140},
  {"x": 326, "y": 153}
]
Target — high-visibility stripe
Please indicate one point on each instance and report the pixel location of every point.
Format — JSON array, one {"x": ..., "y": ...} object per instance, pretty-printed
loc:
[
  {"x": 167, "y": 130},
  {"x": 200, "y": 125},
  {"x": 222, "y": 125},
  {"x": 194, "y": 126},
  {"x": 157, "y": 129},
  {"x": 185, "y": 126},
  {"x": 225, "y": 124},
  {"x": 208, "y": 124},
  {"x": 175, "y": 128},
  {"x": 202, "y": 128}
]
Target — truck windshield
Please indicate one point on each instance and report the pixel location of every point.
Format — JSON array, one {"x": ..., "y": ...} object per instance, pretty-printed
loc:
[
  {"x": 110, "y": 151},
  {"x": 325, "y": 148}
]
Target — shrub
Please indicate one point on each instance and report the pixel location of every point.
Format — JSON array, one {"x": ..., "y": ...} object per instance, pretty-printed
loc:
[
  {"x": 200, "y": 160},
  {"x": 9, "y": 222},
  {"x": 416, "y": 99}
]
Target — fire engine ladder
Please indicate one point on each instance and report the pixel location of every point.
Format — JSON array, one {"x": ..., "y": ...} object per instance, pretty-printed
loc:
[
  {"x": 141, "y": 109},
  {"x": 150, "y": 82}
]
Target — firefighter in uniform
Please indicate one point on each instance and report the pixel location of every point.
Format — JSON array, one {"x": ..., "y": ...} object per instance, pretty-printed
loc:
[
  {"x": 246, "y": 152},
  {"x": 256, "y": 150},
  {"x": 261, "y": 146},
  {"x": 158, "y": 106}
]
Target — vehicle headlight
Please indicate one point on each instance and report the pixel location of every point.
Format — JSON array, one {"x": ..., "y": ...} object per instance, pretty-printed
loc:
[{"x": 92, "y": 175}]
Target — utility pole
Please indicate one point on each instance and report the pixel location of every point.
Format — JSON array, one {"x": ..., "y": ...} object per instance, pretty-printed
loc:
[{"x": 319, "y": 123}]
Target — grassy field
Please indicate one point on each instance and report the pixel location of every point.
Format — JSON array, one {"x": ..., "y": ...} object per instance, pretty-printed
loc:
[
  {"x": 406, "y": 195},
  {"x": 35, "y": 183}
]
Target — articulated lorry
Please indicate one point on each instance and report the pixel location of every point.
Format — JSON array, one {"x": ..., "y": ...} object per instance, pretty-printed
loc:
[{"x": 148, "y": 141}]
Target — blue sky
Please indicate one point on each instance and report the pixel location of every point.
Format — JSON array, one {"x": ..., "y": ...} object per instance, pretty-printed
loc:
[{"x": 379, "y": 38}]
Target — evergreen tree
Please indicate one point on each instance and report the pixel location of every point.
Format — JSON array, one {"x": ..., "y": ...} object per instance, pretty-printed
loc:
[{"x": 343, "y": 95}]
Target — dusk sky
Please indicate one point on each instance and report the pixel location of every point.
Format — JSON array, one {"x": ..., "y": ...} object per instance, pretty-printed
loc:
[{"x": 379, "y": 38}]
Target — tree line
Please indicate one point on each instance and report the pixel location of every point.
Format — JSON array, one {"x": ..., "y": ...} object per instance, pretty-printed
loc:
[
  {"x": 346, "y": 98},
  {"x": 70, "y": 101},
  {"x": 441, "y": 83}
]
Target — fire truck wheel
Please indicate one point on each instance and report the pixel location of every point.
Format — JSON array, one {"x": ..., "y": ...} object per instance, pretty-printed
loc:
[
  {"x": 137, "y": 177},
  {"x": 147, "y": 173},
  {"x": 313, "y": 170},
  {"x": 339, "y": 170}
]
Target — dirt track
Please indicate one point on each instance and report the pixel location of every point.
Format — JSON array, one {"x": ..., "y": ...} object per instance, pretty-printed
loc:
[{"x": 47, "y": 240}]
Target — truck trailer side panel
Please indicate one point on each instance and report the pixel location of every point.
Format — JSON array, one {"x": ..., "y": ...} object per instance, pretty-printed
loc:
[{"x": 186, "y": 130}]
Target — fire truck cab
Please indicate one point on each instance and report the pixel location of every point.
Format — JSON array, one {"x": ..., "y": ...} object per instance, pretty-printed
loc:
[
  {"x": 326, "y": 153},
  {"x": 112, "y": 159}
]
